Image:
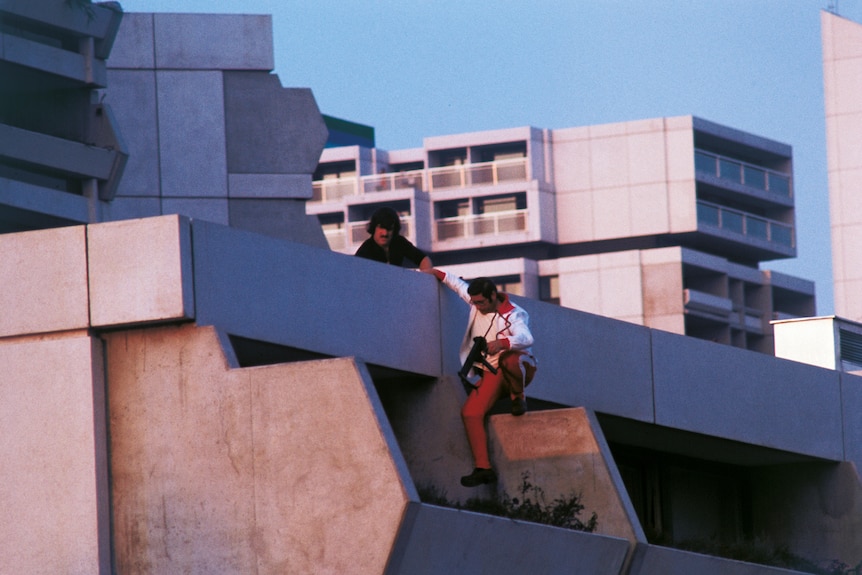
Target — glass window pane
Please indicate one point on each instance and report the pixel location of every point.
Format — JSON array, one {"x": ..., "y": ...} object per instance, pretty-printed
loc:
[
  {"x": 755, "y": 178},
  {"x": 730, "y": 171},
  {"x": 704, "y": 163}
]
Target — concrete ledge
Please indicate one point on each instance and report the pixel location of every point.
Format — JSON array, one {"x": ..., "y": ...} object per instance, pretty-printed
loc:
[
  {"x": 564, "y": 452},
  {"x": 140, "y": 271},
  {"x": 650, "y": 559},
  {"x": 440, "y": 541},
  {"x": 44, "y": 279},
  {"x": 313, "y": 299}
]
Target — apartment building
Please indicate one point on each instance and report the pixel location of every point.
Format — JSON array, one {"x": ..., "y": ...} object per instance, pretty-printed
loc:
[{"x": 661, "y": 222}]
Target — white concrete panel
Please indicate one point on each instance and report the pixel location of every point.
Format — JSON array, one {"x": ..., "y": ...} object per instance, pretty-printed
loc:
[
  {"x": 649, "y": 205},
  {"x": 849, "y": 147},
  {"x": 44, "y": 281},
  {"x": 581, "y": 290},
  {"x": 680, "y": 153},
  {"x": 571, "y": 165},
  {"x": 846, "y": 206},
  {"x": 621, "y": 291},
  {"x": 133, "y": 45},
  {"x": 651, "y": 559},
  {"x": 682, "y": 206},
  {"x": 847, "y": 86},
  {"x": 53, "y": 499},
  {"x": 646, "y": 157},
  {"x": 192, "y": 134},
  {"x": 575, "y": 217},
  {"x": 844, "y": 37},
  {"x": 132, "y": 96},
  {"x": 214, "y": 41},
  {"x": 609, "y": 162},
  {"x": 140, "y": 271},
  {"x": 612, "y": 213}
]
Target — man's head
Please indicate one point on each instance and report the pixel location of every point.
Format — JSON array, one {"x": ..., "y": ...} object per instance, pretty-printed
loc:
[
  {"x": 384, "y": 225},
  {"x": 483, "y": 295}
]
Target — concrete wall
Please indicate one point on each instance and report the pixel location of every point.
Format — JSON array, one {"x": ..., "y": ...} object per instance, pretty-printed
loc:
[
  {"x": 54, "y": 508},
  {"x": 277, "y": 469},
  {"x": 179, "y": 412},
  {"x": 842, "y": 58}
]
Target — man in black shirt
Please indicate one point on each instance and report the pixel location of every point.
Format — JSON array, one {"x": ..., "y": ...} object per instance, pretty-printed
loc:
[{"x": 386, "y": 245}]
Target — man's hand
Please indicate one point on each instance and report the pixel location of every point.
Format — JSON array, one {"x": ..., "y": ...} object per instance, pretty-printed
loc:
[{"x": 495, "y": 347}]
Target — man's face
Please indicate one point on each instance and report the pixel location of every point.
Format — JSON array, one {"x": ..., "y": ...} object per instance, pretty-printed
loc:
[
  {"x": 483, "y": 304},
  {"x": 382, "y": 236}
]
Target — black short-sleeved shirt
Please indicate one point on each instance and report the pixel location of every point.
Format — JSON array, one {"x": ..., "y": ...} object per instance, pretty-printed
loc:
[{"x": 399, "y": 249}]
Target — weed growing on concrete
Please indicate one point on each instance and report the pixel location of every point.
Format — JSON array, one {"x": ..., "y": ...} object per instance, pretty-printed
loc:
[{"x": 530, "y": 506}]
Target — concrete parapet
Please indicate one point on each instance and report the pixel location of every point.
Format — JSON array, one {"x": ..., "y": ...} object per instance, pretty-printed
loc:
[
  {"x": 140, "y": 271},
  {"x": 650, "y": 559},
  {"x": 440, "y": 541},
  {"x": 44, "y": 279},
  {"x": 54, "y": 508},
  {"x": 313, "y": 299},
  {"x": 585, "y": 359},
  {"x": 288, "y": 468},
  {"x": 563, "y": 452},
  {"x": 722, "y": 391}
]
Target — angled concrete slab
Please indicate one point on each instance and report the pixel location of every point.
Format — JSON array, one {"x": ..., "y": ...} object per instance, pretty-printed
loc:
[
  {"x": 441, "y": 541},
  {"x": 287, "y": 468},
  {"x": 563, "y": 452}
]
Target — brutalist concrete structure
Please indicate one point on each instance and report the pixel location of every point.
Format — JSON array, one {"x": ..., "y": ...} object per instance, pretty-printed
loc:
[{"x": 181, "y": 394}]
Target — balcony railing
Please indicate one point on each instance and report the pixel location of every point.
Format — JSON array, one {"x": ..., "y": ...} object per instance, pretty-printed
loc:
[
  {"x": 742, "y": 173},
  {"x": 334, "y": 189},
  {"x": 745, "y": 224},
  {"x": 414, "y": 179},
  {"x": 495, "y": 223},
  {"x": 482, "y": 174}
]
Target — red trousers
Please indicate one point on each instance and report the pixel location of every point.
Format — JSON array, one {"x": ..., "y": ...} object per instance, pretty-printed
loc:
[{"x": 515, "y": 372}]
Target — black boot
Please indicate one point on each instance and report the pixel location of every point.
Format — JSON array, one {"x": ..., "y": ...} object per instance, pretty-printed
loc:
[{"x": 479, "y": 477}]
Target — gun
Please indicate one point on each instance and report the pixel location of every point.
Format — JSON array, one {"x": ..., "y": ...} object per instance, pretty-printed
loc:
[{"x": 476, "y": 355}]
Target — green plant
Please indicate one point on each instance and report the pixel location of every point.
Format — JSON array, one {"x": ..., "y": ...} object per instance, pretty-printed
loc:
[{"x": 531, "y": 506}]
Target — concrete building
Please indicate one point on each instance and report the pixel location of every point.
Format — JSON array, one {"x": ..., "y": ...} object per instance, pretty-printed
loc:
[
  {"x": 182, "y": 395},
  {"x": 661, "y": 222},
  {"x": 179, "y": 131},
  {"x": 842, "y": 59}
]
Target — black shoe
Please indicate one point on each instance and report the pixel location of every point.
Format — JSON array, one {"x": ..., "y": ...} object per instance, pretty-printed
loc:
[
  {"x": 479, "y": 477},
  {"x": 519, "y": 406}
]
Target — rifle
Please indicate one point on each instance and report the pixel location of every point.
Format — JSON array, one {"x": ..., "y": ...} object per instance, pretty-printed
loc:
[{"x": 476, "y": 355}]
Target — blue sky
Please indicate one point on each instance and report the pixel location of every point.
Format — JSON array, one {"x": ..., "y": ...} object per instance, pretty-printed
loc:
[{"x": 419, "y": 68}]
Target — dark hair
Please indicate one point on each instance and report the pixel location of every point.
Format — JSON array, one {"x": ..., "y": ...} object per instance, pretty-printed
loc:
[
  {"x": 484, "y": 286},
  {"x": 386, "y": 218}
]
